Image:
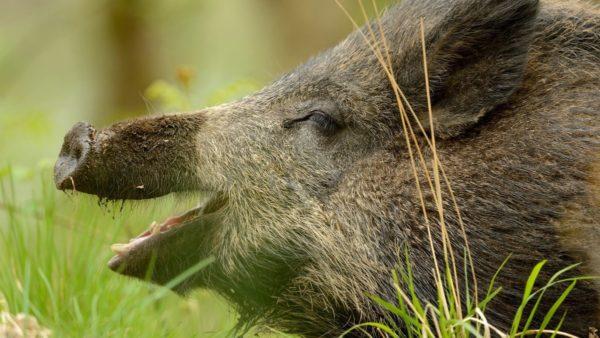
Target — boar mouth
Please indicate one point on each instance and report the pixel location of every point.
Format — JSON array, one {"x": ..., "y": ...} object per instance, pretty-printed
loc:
[
  {"x": 168, "y": 248},
  {"x": 143, "y": 159}
]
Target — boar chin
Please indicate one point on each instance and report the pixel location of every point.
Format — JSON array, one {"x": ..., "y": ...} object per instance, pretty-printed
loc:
[{"x": 168, "y": 249}]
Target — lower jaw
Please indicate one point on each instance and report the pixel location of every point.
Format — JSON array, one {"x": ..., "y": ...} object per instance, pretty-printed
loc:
[
  {"x": 174, "y": 239},
  {"x": 155, "y": 228}
]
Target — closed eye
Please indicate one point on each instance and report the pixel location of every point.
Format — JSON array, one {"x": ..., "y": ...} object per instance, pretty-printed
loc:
[{"x": 323, "y": 121}]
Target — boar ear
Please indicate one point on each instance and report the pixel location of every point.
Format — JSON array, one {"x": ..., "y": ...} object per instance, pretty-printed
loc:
[{"x": 476, "y": 57}]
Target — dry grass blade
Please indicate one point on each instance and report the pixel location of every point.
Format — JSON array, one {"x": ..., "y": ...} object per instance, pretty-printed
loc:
[
  {"x": 410, "y": 140},
  {"x": 388, "y": 69},
  {"x": 434, "y": 320}
]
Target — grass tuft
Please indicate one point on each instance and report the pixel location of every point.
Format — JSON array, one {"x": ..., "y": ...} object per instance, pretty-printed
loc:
[{"x": 54, "y": 269}]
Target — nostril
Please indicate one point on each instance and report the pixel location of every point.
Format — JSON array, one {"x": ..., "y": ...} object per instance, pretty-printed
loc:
[
  {"x": 76, "y": 146},
  {"x": 77, "y": 151},
  {"x": 78, "y": 140}
]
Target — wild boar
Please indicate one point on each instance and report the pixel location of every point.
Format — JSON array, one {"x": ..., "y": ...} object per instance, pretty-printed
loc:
[{"x": 311, "y": 193}]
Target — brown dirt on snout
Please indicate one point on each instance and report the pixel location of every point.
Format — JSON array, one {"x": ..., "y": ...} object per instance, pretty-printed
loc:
[{"x": 593, "y": 333}]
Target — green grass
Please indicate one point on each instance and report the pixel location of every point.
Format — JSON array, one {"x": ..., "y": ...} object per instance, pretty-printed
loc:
[
  {"x": 427, "y": 318},
  {"x": 54, "y": 248},
  {"x": 53, "y": 253}
]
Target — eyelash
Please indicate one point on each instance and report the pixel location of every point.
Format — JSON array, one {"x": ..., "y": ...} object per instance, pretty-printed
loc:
[{"x": 324, "y": 121}]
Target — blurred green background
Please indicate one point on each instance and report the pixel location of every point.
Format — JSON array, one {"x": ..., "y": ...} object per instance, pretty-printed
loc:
[{"x": 64, "y": 61}]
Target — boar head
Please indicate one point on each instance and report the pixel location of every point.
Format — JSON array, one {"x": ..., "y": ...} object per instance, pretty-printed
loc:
[{"x": 308, "y": 185}]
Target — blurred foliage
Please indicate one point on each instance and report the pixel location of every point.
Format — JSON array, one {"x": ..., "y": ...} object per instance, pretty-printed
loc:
[
  {"x": 54, "y": 249},
  {"x": 63, "y": 61},
  {"x": 163, "y": 95},
  {"x": 167, "y": 96}
]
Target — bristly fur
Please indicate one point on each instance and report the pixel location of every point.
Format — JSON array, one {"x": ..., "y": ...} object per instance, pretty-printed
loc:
[{"x": 316, "y": 220}]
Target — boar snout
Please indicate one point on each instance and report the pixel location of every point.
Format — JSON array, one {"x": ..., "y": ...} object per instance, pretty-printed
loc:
[
  {"x": 143, "y": 158},
  {"x": 72, "y": 156}
]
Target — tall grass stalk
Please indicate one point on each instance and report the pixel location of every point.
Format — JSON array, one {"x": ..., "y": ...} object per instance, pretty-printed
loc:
[{"x": 444, "y": 316}]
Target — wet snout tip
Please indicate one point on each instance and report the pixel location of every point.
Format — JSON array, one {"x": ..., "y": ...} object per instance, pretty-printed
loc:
[{"x": 75, "y": 148}]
